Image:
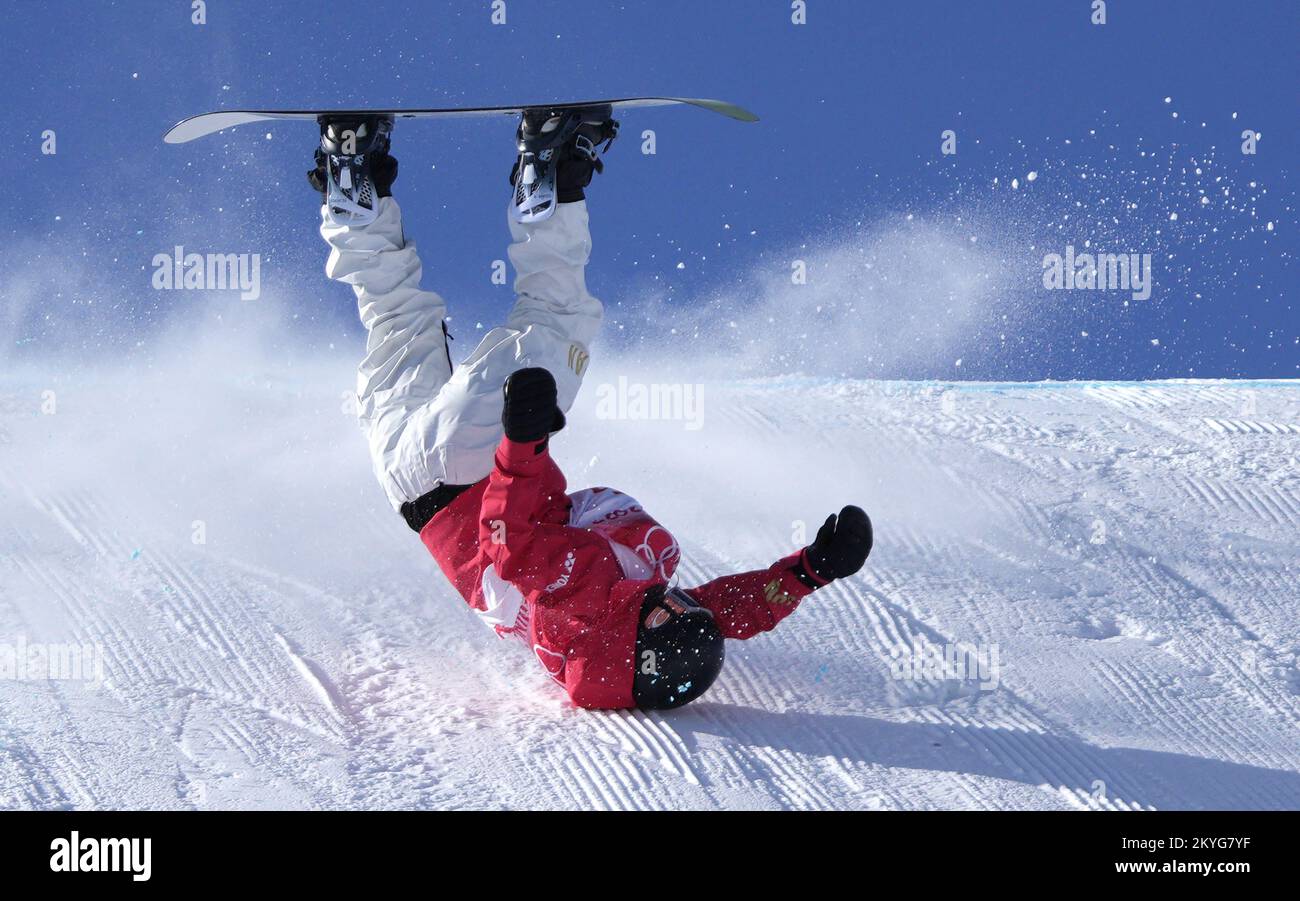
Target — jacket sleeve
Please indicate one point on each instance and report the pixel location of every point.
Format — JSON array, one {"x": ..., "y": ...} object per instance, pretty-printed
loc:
[
  {"x": 745, "y": 604},
  {"x": 522, "y": 526},
  {"x": 581, "y": 638}
]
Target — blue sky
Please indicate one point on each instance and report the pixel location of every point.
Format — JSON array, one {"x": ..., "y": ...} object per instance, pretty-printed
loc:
[{"x": 852, "y": 107}]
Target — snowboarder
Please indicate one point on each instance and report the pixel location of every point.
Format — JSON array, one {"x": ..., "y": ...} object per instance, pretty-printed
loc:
[{"x": 583, "y": 579}]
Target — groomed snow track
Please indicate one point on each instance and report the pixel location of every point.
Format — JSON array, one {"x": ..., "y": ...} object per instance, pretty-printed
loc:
[{"x": 273, "y": 636}]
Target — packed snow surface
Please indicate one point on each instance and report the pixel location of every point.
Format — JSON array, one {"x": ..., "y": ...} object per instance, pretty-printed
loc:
[{"x": 1117, "y": 562}]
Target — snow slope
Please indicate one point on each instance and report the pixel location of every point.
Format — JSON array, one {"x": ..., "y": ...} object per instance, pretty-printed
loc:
[{"x": 1130, "y": 549}]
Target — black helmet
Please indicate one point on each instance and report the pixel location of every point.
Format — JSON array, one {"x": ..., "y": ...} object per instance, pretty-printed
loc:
[{"x": 679, "y": 650}]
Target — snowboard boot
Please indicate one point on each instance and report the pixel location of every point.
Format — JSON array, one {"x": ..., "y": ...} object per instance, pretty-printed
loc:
[
  {"x": 559, "y": 149},
  {"x": 353, "y": 168}
]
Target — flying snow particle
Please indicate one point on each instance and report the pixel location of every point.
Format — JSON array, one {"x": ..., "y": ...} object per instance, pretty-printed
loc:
[
  {"x": 1173, "y": 217},
  {"x": 1031, "y": 176},
  {"x": 1268, "y": 227},
  {"x": 1015, "y": 184},
  {"x": 681, "y": 265}
]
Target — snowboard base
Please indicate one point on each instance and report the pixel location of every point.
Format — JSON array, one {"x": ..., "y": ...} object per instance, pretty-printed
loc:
[{"x": 209, "y": 123}]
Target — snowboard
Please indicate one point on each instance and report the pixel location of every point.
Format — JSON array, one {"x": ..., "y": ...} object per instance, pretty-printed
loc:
[{"x": 209, "y": 123}]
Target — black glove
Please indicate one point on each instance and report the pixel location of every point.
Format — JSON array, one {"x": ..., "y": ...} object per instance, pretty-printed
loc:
[
  {"x": 530, "y": 412},
  {"x": 382, "y": 168},
  {"x": 841, "y": 546}
]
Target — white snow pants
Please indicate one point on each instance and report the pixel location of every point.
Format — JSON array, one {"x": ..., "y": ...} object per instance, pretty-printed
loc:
[{"x": 427, "y": 423}]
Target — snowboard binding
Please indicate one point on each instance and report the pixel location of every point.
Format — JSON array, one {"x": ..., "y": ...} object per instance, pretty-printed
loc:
[
  {"x": 353, "y": 168},
  {"x": 559, "y": 149}
]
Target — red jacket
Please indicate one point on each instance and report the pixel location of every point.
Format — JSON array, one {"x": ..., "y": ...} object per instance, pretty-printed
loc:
[{"x": 566, "y": 574}]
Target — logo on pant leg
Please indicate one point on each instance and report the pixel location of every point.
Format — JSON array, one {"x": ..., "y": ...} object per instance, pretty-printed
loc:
[{"x": 578, "y": 359}]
